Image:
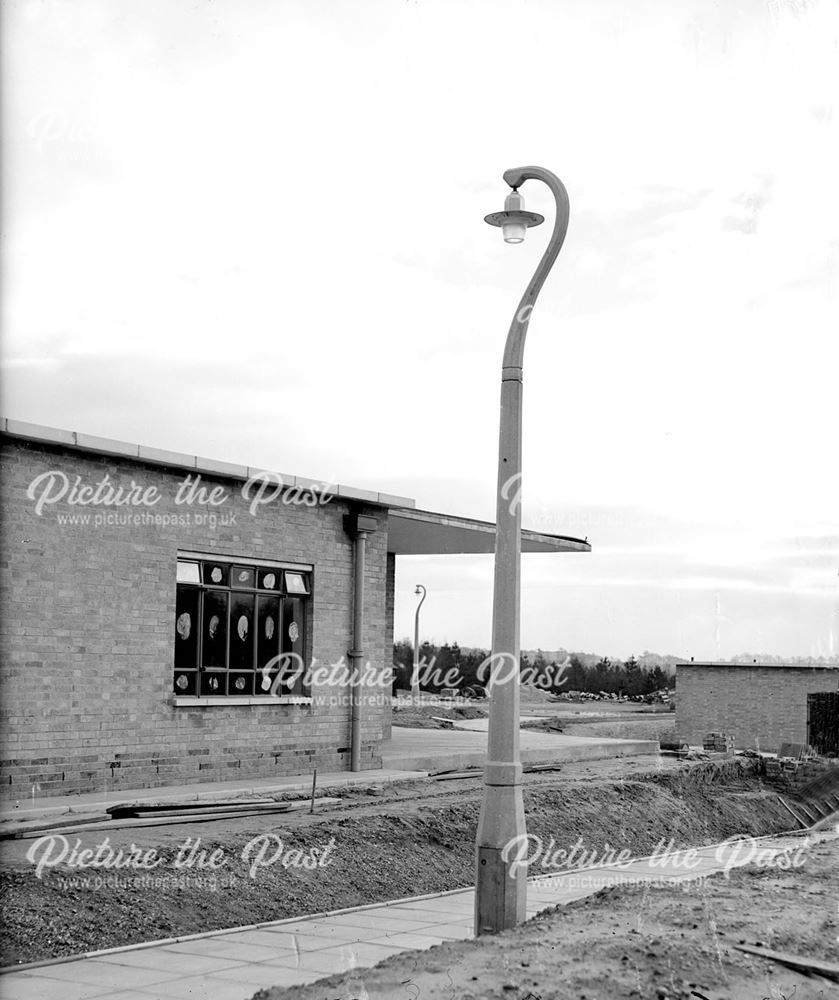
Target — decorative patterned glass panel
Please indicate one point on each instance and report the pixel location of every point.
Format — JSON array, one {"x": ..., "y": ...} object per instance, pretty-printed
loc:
[
  {"x": 240, "y": 684},
  {"x": 241, "y": 631},
  {"x": 267, "y": 641},
  {"x": 269, "y": 579},
  {"x": 213, "y": 683},
  {"x": 185, "y": 681},
  {"x": 242, "y": 576},
  {"x": 293, "y": 640},
  {"x": 215, "y": 574},
  {"x": 214, "y": 639},
  {"x": 186, "y": 628}
]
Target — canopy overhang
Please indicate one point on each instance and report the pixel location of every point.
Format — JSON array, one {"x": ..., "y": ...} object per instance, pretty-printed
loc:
[{"x": 425, "y": 533}]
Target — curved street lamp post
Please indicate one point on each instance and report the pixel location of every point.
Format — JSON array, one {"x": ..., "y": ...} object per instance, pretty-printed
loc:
[
  {"x": 500, "y": 881},
  {"x": 415, "y": 685}
]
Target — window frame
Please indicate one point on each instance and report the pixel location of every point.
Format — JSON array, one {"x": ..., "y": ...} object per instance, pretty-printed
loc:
[{"x": 301, "y": 698}]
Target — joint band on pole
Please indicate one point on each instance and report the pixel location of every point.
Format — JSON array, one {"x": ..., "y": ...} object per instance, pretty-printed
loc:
[{"x": 501, "y": 773}]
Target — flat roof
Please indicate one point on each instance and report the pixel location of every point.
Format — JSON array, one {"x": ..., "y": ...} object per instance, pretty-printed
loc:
[
  {"x": 767, "y": 666},
  {"x": 410, "y": 531},
  {"x": 422, "y": 532},
  {"x": 192, "y": 463}
]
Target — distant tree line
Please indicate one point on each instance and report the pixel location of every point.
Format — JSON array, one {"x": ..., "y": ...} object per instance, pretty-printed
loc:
[{"x": 449, "y": 666}]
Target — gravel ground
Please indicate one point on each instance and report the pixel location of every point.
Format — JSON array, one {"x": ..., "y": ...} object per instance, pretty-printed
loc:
[{"x": 645, "y": 727}]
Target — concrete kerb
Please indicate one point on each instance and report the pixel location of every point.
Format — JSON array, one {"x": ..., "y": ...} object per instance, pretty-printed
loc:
[{"x": 532, "y": 880}]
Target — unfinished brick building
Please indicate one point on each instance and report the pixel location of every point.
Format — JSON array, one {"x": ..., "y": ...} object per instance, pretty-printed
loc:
[{"x": 762, "y": 706}]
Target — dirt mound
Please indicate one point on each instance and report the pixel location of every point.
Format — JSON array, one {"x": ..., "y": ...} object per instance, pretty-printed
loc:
[
  {"x": 529, "y": 695},
  {"x": 667, "y": 942},
  {"x": 429, "y": 716}
]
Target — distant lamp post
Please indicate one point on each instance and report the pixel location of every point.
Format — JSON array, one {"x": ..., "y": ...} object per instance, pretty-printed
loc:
[
  {"x": 415, "y": 685},
  {"x": 501, "y": 896}
]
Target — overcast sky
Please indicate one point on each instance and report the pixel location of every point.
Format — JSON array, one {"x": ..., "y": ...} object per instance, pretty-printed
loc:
[{"x": 253, "y": 231}]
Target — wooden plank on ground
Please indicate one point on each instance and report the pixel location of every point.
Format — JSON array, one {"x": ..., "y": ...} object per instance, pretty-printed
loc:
[
  {"x": 169, "y": 820},
  {"x": 801, "y": 963}
]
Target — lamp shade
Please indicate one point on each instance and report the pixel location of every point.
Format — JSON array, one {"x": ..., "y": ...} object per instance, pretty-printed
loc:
[{"x": 514, "y": 221}]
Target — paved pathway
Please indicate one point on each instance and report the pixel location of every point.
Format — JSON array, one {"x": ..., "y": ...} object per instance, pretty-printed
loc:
[
  {"x": 441, "y": 749},
  {"x": 234, "y": 964}
]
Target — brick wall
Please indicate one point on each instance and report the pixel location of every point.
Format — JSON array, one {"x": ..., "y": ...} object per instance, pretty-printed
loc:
[
  {"x": 761, "y": 706},
  {"x": 87, "y": 634}
]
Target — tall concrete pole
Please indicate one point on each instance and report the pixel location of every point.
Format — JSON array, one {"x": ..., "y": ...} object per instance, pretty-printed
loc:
[{"x": 500, "y": 881}]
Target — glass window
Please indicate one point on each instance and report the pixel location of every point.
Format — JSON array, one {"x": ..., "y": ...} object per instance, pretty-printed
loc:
[
  {"x": 214, "y": 638},
  {"x": 186, "y": 628},
  {"x": 215, "y": 574},
  {"x": 293, "y": 643},
  {"x": 269, "y": 579},
  {"x": 242, "y": 577},
  {"x": 295, "y": 583},
  {"x": 188, "y": 572},
  {"x": 241, "y": 631},
  {"x": 231, "y": 626},
  {"x": 186, "y": 681}
]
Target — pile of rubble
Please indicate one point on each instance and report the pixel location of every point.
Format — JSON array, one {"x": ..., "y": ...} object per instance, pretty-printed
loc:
[{"x": 663, "y": 696}]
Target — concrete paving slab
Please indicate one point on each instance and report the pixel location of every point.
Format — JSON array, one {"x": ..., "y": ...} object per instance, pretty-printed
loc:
[
  {"x": 267, "y": 938},
  {"x": 381, "y": 923},
  {"x": 101, "y": 975},
  {"x": 417, "y": 941},
  {"x": 22, "y": 987},
  {"x": 455, "y": 902},
  {"x": 263, "y": 976},
  {"x": 455, "y": 931},
  {"x": 330, "y": 961},
  {"x": 457, "y": 916},
  {"x": 178, "y": 963},
  {"x": 449, "y": 749},
  {"x": 242, "y": 951},
  {"x": 367, "y": 954},
  {"x": 199, "y": 988},
  {"x": 303, "y": 940}
]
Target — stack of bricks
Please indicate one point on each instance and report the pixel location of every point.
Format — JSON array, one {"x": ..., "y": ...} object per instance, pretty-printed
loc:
[
  {"x": 785, "y": 765},
  {"x": 718, "y": 742}
]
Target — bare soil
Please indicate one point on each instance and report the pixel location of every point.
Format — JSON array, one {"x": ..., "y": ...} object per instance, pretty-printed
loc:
[
  {"x": 428, "y": 716},
  {"x": 643, "y": 727},
  {"x": 635, "y": 943},
  {"x": 390, "y": 842}
]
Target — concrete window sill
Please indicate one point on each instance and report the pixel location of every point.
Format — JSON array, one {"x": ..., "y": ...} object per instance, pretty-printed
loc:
[{"x": 183, "y": 701}]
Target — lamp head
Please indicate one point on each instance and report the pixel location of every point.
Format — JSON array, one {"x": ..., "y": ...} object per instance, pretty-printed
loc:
[
  {"x": 417, "y": 591},
  {"x": 514, "y": 221}
]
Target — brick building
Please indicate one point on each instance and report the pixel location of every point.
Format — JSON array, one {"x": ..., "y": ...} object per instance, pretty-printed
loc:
[
  {"x": 160, "y": 611},
  {"x": 761, "y": 705}
]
